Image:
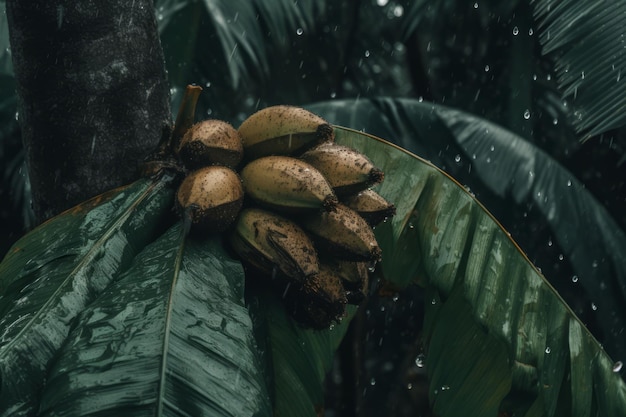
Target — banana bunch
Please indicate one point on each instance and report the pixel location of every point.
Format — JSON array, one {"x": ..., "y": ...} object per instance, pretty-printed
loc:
[{"x": 297, "y": 208}]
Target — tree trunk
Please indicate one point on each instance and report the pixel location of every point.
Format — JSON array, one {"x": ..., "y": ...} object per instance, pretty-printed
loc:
[{"x": 94, "y": 98}]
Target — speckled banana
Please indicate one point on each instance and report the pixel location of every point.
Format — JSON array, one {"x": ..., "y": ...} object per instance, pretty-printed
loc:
[
  {"x": 319, "y": 301},
  {"x": 344, "y": 233},
  {"x": 273, "y": 244},
  {"x": 348, "y": 171},
  {"x": 211, "y": 142},
  {"x": 287, "y": 184},
  {"x": 210, "y": 198},
  {"x": 354, "y": 277},
  {"x": 283, "y": 130},
  {"x": 370, "y": 205}
]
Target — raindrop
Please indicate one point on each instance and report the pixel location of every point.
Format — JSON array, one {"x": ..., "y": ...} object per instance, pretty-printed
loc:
[
  {"x": 382, "y": 3},
  {"x": 333, "y": 94},
  {"x": 411, "y": 225},
  {"x": 209, "y": 111},
  {"x": 594, "y": 307},
  {"x": 382, "y": 308},
  {"x": 561, "y": 257},
  {"x": 531, "y": 32},
  {"x": 208, "y": 84},
  {"x": 299, "y": 31},
  {"x": 473, "y": 156},
  {"x": 569, "y": 183},
  {"x": 367, "y": 53},
  {"x": 488, "y": 160},
  {"x": 445, "y": 387},
  {"x": 617, "y": 366},
  {"x": 371, "y": 266},
  {"x": 534, "y": 77},
  {"x": 575, "y": 278},
  {"x": 420, "y": 361},
  {"x": 433, "y": 301},
  {"x": 420, "y": 99},
  {"x": 457, "y": 158},
  {"x": 372, "y": 381},
  {"x": 582, "y": 75},
  {"x": 555, "y": 121},
  {"x": 515, "y": 31},
  {"x": 409, "y": 386},
  {"x": 594, "y": 264},
  {"x": 549, "y": 242},
  {"x": 486, "y": 68},
  {"x": 548, "y": 77},
  {"x": 527, "y": 114},
  {"x": 548, "y": 350},
  {"x": 398, "y": 11},
  {"x": 493, "y": 148},
  {"x": 395, "y": 297},
  {"x": 475, "y": 5}
]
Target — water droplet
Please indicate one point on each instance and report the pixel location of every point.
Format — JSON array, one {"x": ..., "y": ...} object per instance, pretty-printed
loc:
[
  {"x": 333, "y": 94},
  {"x": 575, "y": 278},
  {"x": 569, "y": 183},
  {"x": 548, "y": 350},
  {"x": 582, "y": 75},
  {"x": 475, "y": 5},
  {"x": 457, "y": 158},
  {"x": 409, "y": 386},
  {"x": 548, "y": 77},
  {"x": 617, "y": 366},
  {"x": 555, "y": 121},
  {"x": 373, "y": 381},
  {"x": 420, "y": 361},
  {"x": 594, "y": 307},
  {"x": 531, "y": 32},
  {"x": 382, "y": 308},
  {"x": 398, "y": 11},
  {"x": 526, "y": 114},
  {"x": 534, "y": 77},
  {"x": 371, "y": 266},
  {"x": 395, "y": 297},
  {"x": 515, "y": 31},
  {"x": 488, "y": 160},
  {"x": 594, "y": 264},
  {"x": 411, "y": 225},
  {"x": 549, "y": 242},
  {"x": 299, "y": 31},
  {"x": 420, "y": 99},
  {"x": 445, "y": 387},
  {"x": 486, "y": 68},
  {"x": 561, "y": 257},
  {"x": 382, "y": 3},
  {"x": 493, "y": 148},
  {"x": 433, "y": 301},
  {"x": 367, "y": 54}
]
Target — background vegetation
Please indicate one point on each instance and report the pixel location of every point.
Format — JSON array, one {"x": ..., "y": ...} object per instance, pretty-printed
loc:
[{"x": 549, "y": 72}]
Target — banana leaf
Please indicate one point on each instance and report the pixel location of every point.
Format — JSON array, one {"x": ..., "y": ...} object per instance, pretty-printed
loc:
[
  {"x": 460, "y": 251},
  {"x": 51, "y": 274},
  {"x": 510, "y": 175},
  {"x": 170, "y": 337}
]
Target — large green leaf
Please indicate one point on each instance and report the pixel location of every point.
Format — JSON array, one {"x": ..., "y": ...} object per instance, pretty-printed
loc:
[
  {"x": 586, "y": 40},
  {"x": 52, "y": 273},
  {"x": 170, "y": 337},
  {"x": 510, "y": 176},
  {"x": 460, "y": 250}
]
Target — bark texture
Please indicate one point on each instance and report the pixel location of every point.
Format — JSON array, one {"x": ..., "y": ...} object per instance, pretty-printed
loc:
[{"x": 94, "y": 97}]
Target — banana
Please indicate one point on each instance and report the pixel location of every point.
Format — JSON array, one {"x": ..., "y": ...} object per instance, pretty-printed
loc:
[
  {"x": 211, "y": 142},
  {"x": 370, "y": 205},
  {"x": 354, "y": 277},
  {"x": 343, "y": 233},
  {"x": 348, "y": 171},
  {"x": 273, "y": 243},
  {"x": 287, "y": 184},
  {"x": 283, "y": 130},
  {"x": 317, "y": 302},
  {"x": 211, "y": 198}
]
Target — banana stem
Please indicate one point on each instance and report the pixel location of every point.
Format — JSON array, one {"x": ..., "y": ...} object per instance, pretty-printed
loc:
[{"x": 186, "y": 115}]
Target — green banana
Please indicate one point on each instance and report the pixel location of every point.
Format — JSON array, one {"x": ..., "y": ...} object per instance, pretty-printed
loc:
[
  {"x": 211, "y": 198},
  {"x": 317, "y": 302},
  {"x": 370, "y": 205},
  {"x": 272, "y": 243},
  {"x": 211, "y": 142},
  {"x": 287, "y": 184},
  {"x": 348, "y": 171},
  {"x": 344, "y": 233},
  {"x": 283, "y": 130}
]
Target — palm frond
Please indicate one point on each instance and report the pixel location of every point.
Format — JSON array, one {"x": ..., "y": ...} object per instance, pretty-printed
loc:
[{"x": 586, "y": 40}]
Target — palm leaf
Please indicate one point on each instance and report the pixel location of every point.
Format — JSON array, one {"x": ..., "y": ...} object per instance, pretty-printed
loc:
[
  {"x": 51, "y": 274},
  {"x": 170, "y": 337},
  {"x": 457, "y": 246},
  {"x": 507, "y": 172},
  {"x": 585, "y": 39}
]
